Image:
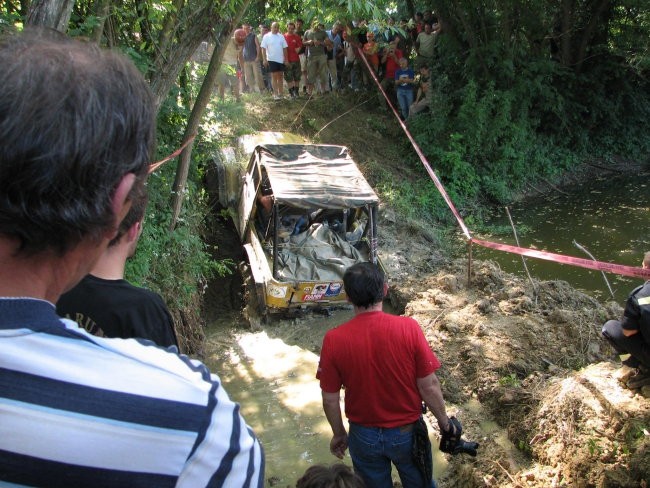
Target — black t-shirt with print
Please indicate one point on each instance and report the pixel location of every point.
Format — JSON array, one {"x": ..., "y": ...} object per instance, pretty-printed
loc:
[{"x": 116, "y": 308}]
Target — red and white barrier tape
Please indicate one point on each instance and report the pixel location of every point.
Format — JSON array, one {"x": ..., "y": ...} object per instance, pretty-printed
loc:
[{"x": 154, "y": 166}]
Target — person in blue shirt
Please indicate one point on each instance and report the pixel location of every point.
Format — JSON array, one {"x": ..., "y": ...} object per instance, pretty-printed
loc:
[
  {"x": 333, "y": 52},
  {"x": 404, "y": 83}
]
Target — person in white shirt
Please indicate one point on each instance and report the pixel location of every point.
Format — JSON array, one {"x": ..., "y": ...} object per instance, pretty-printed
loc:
[{"x": 274, "y": 53}]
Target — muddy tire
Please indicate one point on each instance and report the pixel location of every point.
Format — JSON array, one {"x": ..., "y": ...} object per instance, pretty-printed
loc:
[{"x": 254, "y": 310}]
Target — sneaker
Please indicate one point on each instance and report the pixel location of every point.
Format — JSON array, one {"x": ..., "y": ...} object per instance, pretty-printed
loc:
[{"x": 277, "y": 97}]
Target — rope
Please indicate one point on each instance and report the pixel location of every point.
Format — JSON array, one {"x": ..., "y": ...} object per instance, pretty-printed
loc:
[{"x": 154, "y": 166}]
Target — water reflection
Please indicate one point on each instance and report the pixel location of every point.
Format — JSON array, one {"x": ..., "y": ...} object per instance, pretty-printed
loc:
[
  {"x": 271, "y": 373},
  {"x": 610, "y": 217}
]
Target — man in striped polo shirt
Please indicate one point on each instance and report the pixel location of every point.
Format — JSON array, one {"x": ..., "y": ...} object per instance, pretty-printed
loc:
[{"x": 76, "y": 135}]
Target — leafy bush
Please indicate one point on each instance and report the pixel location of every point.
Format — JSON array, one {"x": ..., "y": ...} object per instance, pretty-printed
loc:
[{"x": 175, "y": 263}]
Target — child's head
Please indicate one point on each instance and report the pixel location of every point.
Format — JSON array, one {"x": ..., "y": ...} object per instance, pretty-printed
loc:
[
  {"x": 334, "y": 476},
  {"x": 403, "y": 63}
]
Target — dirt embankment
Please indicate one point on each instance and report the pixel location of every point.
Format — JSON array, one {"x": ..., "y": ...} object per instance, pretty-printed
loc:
[{"x": 525, "y": 370}]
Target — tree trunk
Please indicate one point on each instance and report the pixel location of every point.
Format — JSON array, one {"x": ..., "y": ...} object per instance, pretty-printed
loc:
[
  {"x": 588, "y": 33},
  {"x": 101, "y": 9},
  {"x": 50, "y": 13},
  {"x": 410, "y": 8},
  {"x": 171, "y": 21},
  {"x": 168, "y": 63},
  {"x": 223, "y": 37},
  {"x": 566, "y": 33}
]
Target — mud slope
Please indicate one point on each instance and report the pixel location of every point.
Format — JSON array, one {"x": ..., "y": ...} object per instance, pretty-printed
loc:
[{"x": 526, "y": 372}]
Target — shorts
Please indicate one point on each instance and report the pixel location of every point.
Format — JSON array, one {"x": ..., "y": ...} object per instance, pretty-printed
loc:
[
  {"x": 292, "y": 72},
  {"x": 275, "y": 67}
]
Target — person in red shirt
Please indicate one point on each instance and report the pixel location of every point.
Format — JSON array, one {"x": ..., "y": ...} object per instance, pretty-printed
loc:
[
  {"x": 388, "y": 370},
  {"x": 292, "y": 72},
  {"x": 390, "y": 59}
]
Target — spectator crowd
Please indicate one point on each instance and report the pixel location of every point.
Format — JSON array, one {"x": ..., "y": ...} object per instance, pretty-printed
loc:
[{"x": 313, "y": 60}]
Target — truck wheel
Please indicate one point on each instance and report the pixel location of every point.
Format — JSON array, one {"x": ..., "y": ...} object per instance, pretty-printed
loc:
[{"x": 254, "y": 310}]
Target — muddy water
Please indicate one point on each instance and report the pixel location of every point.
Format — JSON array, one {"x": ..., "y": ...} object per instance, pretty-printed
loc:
[
  {"x": 610, "y": 217},
  {"x": 271, "y": 373}
]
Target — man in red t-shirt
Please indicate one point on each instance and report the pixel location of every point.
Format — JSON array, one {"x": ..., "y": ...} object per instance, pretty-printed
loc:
[
  {"x": 388, "y": 369},
  {"x": 390, "y": 59},
  {"x": 292, "y": 73}
]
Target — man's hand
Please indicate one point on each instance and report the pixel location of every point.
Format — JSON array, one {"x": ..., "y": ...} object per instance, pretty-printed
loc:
[
  {"x": 451, "y": 441},
  {"x": 338, "y": 445}
]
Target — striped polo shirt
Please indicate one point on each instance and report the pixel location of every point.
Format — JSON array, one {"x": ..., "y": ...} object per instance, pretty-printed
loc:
[{"x": 80, "y": 410}]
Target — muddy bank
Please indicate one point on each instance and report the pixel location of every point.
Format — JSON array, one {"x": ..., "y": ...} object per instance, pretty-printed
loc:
[
  {"x": 523, "y": 367},
  {"x": 531, "y": 362}
]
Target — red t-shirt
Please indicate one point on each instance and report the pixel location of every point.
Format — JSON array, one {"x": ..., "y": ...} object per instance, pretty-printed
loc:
[
  {"x": 392, "y": 65},
  {"x": 377, "y": 357},
  {"x": 294, "y": 42}
]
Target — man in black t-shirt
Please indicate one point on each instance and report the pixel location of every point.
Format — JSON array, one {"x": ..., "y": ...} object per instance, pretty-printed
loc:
[
  {"x": 107, "y": 305},
  {"x": 631, "y": 334}
]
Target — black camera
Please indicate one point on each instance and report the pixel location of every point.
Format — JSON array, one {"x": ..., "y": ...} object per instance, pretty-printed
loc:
[{"x": 452, "y": 443}]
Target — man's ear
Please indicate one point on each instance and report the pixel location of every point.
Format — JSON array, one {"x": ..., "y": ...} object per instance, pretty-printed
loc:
[
  {"x": 120, "y": 202},
  {"x": 385, "y": 290},
  {"x": 134, "y": 232}
]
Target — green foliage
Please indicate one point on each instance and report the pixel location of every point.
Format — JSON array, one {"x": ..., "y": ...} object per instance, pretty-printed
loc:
[
  {"x": 82, "y": 26},
  {"x": 593, "y": 445},
  {"x": 509, "y": 106},
  {"x": 510, "y": 380},
  {"x": 176, "y": 263},
  {"x": 524, "y": 446},
  {"x": 416, "y": 199}
]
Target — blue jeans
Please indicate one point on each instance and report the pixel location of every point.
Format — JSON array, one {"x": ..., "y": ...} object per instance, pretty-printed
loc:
[
  {"x": 373, "y": 449},
  {"x": 405, "y": 99}
]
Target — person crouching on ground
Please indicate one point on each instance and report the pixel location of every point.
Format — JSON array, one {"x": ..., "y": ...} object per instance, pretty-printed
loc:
[{"x": 631, "y": 334}]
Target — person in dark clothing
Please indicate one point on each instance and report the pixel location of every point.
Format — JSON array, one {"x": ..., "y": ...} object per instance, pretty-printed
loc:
[
  {"x": 631, "y": 334},
  {"x": 107, "y": 305}
]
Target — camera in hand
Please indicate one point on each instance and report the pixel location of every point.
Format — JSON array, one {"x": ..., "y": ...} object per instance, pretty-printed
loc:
[{"x": 452, "y": 443}]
